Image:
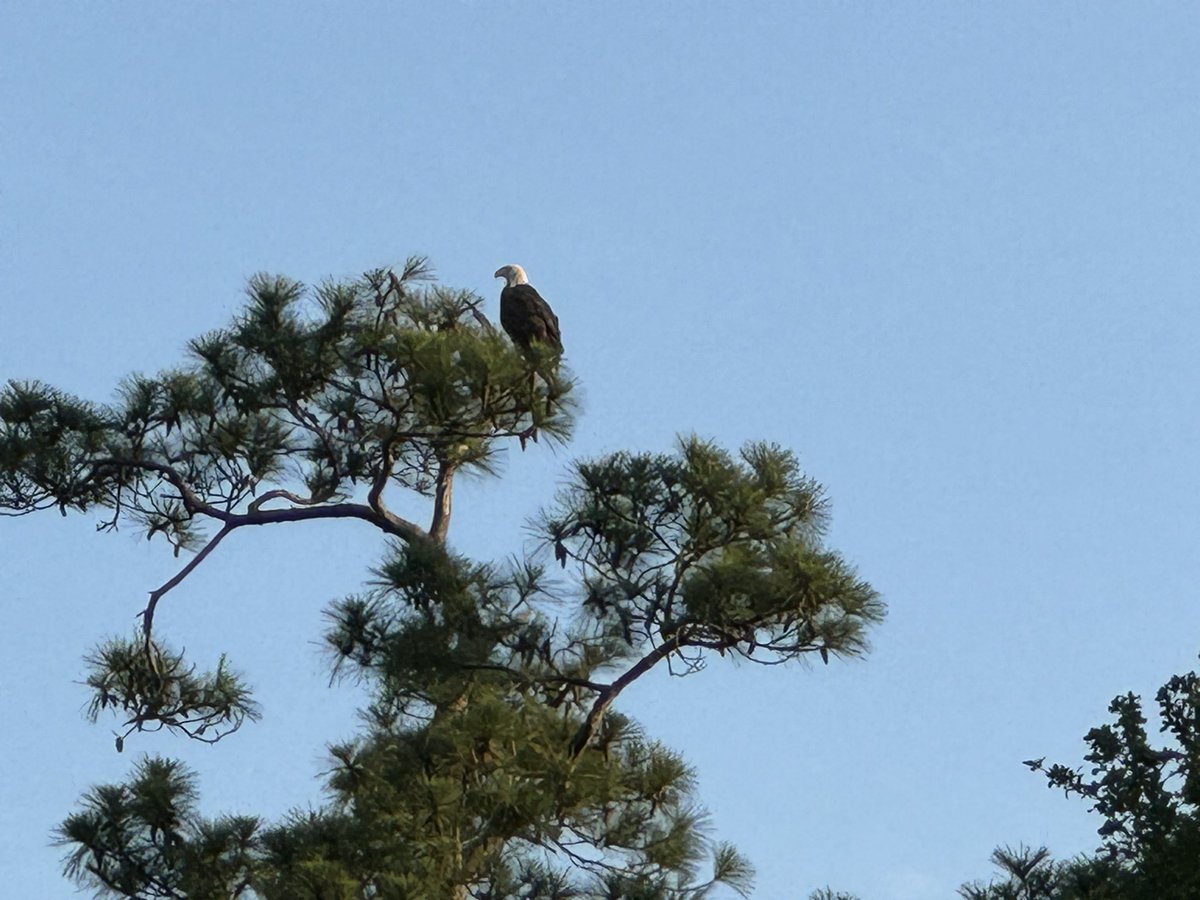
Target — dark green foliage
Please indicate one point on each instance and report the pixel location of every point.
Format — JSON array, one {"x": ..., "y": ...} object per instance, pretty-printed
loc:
[
  {"x": 492, "y": 762},
  {"x": 1148, "y": 798},
  {"x": 1029, "y": 874},
  {"x": 157, "y": 689},
  {"x": 143, "y": 839},
  {"x": 466, "y": 783},
  {"x": 700, "y": 550},
  {"x": 46, "y": 440}
]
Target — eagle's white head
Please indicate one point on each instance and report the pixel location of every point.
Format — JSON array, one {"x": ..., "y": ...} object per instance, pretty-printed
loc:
[{"x": 511, "y": 275}]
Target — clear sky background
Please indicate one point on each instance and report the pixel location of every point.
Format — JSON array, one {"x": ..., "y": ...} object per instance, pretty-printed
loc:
[{"x": 949, "y": 253}]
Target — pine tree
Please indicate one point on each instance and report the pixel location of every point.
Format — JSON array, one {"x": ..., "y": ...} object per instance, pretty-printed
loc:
[{"x": 494, "y": 762}]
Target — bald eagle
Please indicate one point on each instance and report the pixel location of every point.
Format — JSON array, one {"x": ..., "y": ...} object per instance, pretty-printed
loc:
[{"x": 524, "y": 314}]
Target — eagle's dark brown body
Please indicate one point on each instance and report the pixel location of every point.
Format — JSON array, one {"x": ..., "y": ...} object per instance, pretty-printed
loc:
[{"x": 528, "y": 318}]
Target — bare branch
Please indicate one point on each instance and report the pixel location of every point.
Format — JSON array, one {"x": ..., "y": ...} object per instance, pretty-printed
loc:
[
  {"x": 440, "y": 525},
  {"x": 380, "y": 517},
  {"x": 375, "y": 496},
  {"x": 148, "y": 613},
  {"x": 538, "y": 679},
  {"x": 191, "y": 502},
  {"x": 481, "y": 318},
  {"x": 280, "y": 494},
  {"x": 609, "y": 694}
]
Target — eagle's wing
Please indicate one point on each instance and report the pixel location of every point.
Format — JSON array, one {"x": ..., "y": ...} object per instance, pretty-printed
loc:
[
  {"x": 527, "y": 317},
  {"x": 553, "y": 336}
]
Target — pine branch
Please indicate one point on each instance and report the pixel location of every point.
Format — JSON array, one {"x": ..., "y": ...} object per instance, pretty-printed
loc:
[
  {"x": 607, "y": 696},
  {"x": 380, "y": 517},
  {"x": 280, "y": 494},
  {"x": 386, "y": 463},
  {"x": 155, "y": 596}
]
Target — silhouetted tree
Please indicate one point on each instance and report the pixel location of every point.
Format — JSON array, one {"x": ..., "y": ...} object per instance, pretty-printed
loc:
[{"x": 1148, "y": 798}]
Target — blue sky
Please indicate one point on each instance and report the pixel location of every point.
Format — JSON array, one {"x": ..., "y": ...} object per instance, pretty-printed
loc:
[{"x": 946, "y": 252}]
